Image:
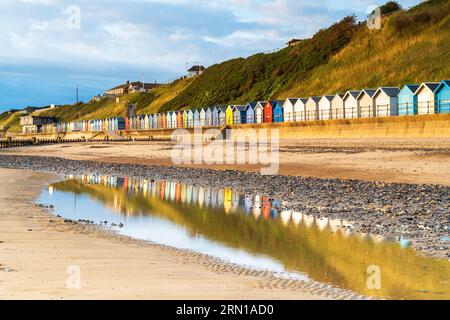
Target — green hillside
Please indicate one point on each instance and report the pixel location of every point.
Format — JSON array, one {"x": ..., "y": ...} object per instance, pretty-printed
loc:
[{"x": 412, "y": 46}]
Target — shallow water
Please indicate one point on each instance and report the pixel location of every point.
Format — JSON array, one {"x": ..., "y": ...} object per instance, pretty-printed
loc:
[{"x": 252, "y": 231}]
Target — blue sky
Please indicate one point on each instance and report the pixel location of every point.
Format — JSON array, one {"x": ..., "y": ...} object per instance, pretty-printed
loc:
[{"x": 45, "y": 50}]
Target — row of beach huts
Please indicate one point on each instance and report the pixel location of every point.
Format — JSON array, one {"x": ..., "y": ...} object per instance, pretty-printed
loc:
[{"x": 412, "y": 99}]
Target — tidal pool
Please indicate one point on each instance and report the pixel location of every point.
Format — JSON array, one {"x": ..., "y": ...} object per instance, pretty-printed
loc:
[{"x": 251, "y": 231}]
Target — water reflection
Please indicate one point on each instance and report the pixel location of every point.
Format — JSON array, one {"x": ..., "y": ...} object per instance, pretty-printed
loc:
[{"x": 251, "y": 230}]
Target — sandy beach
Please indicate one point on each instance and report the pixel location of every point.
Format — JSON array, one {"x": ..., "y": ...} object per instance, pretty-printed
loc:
[
  {"x": 413, "y": 160},
  {"x": 37, "y": 248}
]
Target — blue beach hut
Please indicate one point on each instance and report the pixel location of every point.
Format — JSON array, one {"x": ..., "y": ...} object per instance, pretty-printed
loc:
[
  {"x": 443, "y": 97},
  {"x": 407, "y": 100},
  {"x": 239, "y": 115},
  {"x": 278, "y": 110},
  {"x": 250, "y": 112}
]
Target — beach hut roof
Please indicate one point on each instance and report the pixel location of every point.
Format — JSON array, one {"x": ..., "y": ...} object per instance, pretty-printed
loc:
[
  {"x": 251, "y": 104},
  {"x": 411, "y": 87},
  {"x": 304, "y": 100},
  {"x": 430, "y": 85},
  {"x": 369, "y": 92},
  {"x": 280, "y": 102},
  {"x": 239, "y": 107},
  {"x": 444, "y": 83},
  {"x": 316, "y": 99},
  {"x": 292, "y": 100},
  {"x": 328, "y": 97},
  {"x": 353, "y": 93},
  {"x": 389, "y": 91}
]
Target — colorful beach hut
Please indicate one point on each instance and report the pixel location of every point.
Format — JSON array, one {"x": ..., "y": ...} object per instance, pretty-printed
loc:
[
  {"x": 259, "y": 112},
  {"x": 442, "y": 93},
  {"x": 185, "y": 118},
  {"x": 229, "y": 114},
  {"x": 385, "y": 101},
  {"x": 202, "y": 117},
  {"x": 190, "y": 118},
  {"x": 222, "y": 112},
  {"x": 163, "y": 120},
  {"x": 174, "y": 120},
  {"x": 209, "y": 117},
  {"x": 407, "y": 100},
  {"x": 179, "y": 119},
  {"x": 278, "y": 111},
  {"x": 268, "y": 111},
  {"x": 366, "y": 107},
  {"x": 196, "y": 118},
  {"x": 426, "y": 98}
]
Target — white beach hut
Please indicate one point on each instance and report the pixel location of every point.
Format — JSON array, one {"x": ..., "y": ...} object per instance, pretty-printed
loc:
[
  {"x": 196, "y": 118},
  {"x": 259, "y": 112},
  {"x": 208, "y": 117},
  {"x": 288, "y": 110},
  {"x": 324, "y": 109},
  {"x": 366, "y": 107},
  {"x": 337, "y": 106},
  {"x": 202, "y": 117},
  {"x": 426, "y": 97},
  {"x": 312, "y": 108},
  {"x": 385, "y": 101},
  {"x": 351, "y": 104}
]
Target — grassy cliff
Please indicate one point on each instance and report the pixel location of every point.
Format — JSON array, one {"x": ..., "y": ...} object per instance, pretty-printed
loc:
[{"x": 412, "y": 46}]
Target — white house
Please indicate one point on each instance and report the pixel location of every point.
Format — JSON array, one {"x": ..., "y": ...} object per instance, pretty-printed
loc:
[
  {"x": 312, "y": 108},
  {"x": 337, "y": 106},
  {"x": 426, "y": 98},
  {"x": 288, "y": 110},
  {"x": 385, "y": 101},
  {"x": 366, "y": 107},
  {"x": 324, "y": 109},
  {"x": 351, "y": 104}
]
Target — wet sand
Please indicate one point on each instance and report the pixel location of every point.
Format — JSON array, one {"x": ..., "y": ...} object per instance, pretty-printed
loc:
[
  {"x": 36, "y": 249},
  {"x": 414, "y": 160}
]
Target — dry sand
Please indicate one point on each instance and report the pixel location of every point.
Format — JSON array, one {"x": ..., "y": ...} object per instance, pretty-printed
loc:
[
  {"x": 414, "y": 160},
  {"x": 36, "y": 249}
]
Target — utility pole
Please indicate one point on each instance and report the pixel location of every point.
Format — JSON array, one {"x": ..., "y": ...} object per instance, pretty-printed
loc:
[{"x": 78, "y": 89}]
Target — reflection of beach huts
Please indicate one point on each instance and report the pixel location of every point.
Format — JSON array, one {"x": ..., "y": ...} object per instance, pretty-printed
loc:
[
  {"x": 285, "y": 216},
  {"x": 257, "y": 207},
  {"x": 296, "y": 217},
  {"x": 351, "y": 104},
  {"x": 227, "y": 200},
  {"x": 324, "y": 107},
  {"x": 442, "y": 94},
  {"x": 407, "y": 100},
  {"x": 385, "y": 100},
  {"x": 248, "y": 203},
  {"x": 308, "y": 220},
  {"x": 322, "y": 223},
  {"x": 426, "y": 97},
  {"x": 266, "y": 207},
  {"x": 366, "y": 108}
]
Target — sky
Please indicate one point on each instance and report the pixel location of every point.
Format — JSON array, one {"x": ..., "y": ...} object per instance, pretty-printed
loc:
[{"x": 48, "y": 47}]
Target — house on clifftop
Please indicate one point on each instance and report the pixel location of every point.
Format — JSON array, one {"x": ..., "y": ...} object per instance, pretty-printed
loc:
[{"x": 130, "y": 87}]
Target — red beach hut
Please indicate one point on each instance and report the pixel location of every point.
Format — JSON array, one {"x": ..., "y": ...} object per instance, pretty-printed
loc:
[{"x": 268, "y": 112}]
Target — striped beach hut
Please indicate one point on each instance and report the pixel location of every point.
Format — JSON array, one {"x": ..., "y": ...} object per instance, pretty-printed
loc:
[
  {"x": 239, "y": 114},
  {"x": 442, "y": 93},
  {"x": 250, "y": 112},
  {"x": 202, "y": 117},
  {"x": 385, "y": 101},
  {"x": 351, "y": 104},
  {"x": 366, "y": 107},
  {"x": 426, "y": 97},
  {"x": 268, "y": 111},
  {"x": 196, "y": 118},
  {"x": 229, "y": 114},
  {"x": 259, "y": 112},
  {"x": 324, "y": 107},
  {"x": 407, "y": 100},
  {"x": 288, "y": 109},
  {"x": 208, "y": 117},
  {"x": 278, "y": 115},
  {"x": 312, "y": 108}
]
